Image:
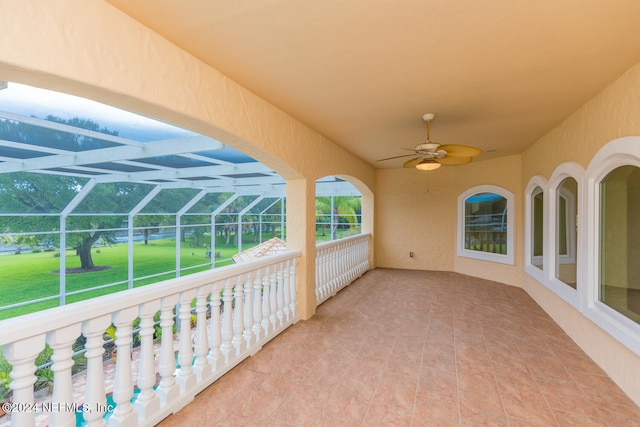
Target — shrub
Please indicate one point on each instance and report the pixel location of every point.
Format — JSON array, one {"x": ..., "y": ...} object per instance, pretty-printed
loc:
[{"x": 5, "y": 379}]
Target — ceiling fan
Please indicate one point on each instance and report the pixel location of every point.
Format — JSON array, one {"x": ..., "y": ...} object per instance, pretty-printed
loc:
[{"x": 430, "y": 155}]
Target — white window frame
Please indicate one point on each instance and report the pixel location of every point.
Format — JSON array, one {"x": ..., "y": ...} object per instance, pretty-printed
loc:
[
  {"x": 620, "y": 152},
  {"x": 535, "y": 183},
  {"x": 566, "y": 292},
  {"x": 487, "y": 256}
]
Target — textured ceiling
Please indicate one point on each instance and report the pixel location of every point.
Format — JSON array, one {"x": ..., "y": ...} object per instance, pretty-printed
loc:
[{"x": 499, "y": 74}]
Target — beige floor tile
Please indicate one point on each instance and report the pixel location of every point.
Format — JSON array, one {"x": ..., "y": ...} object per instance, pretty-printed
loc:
[{"x": 417, "y": 348}]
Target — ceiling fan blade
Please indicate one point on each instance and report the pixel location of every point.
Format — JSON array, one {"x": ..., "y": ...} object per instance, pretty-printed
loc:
[
  {"x": 412, "y": 163},
  {"x": 460, "y": 150},
  {"x": 395, "y": 157},
  {"x": 454, "y": 161}
]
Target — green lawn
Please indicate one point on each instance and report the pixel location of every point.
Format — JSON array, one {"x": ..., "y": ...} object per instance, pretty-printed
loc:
[{"x": 31, "y": 276}]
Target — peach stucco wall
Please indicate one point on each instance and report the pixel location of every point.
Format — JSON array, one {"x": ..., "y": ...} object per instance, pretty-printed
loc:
[
  {"x": 613, "y": 113},
  {"x": 88, "y": 48},
  {"x": 417, "y": 212}
]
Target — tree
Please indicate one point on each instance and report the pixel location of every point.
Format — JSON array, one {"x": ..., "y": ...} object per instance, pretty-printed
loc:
[
  {"x": 34, "y": 193},
  {"x": 117, "y": 198},
  {"x": 345, "y": 208},
  {"x": 20, "y": 241},
  {"x": 149, "y": 224}
]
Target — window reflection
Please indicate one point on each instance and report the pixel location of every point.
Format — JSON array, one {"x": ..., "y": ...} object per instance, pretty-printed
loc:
[
  {"x": 486, "y": 223},
  {"x": 620, "y": 241}
]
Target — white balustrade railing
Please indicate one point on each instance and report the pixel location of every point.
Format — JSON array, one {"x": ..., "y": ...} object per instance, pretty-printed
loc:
[
  {"x": 338, "y": 263},
  {"x": 237, "y": 309}
]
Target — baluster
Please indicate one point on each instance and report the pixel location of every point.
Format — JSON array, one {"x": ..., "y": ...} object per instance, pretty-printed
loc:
[
  {"x": 273, "y": 300},
  {"x": 257, "y": 305},
  {"x": 201, "y": 366},
  {"x": 287, "y": 291},
  {"x": 266, "y": 308},
  {"x": 227, "y": 320},
  {"x": 22, "y": 356},
  {"x": 319, "y": 274},
  {"x": 95, "y": 399},
  {"x": 352, "y": 261},
  {"x": 61, "y": 342},
  {"x": 280, "y": 295},
  {"x": 349, "y": 262},
  {"x": 292, "y": 264},
  {"x": 336, "y": 256},
  {"x": 215, "y": 329},
  {"x": 343, "y": 265},
  {"x": 363, "y": 256},
  {"x": 324, "y": 284},
  {"x": 168, "y": 390},
  {"x": 355, "y": 259},
  {"x": 185, "y": 377},
  {"x": 332, "y": 270},
  {"x": 238, "y": 312},
  {"x": 358, "y": 255},
  {"x": 247, "y": 332},
  {"x": 123, "y": 414},
  {"x": 147, "y": 403}
]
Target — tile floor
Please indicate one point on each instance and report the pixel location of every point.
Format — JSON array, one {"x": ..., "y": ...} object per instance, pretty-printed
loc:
[{"x": 416, "y": 348}]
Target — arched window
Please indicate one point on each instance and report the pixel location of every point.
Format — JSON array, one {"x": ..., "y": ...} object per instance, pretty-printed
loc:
[
  {"x": 485, "y": 224},
  {"x": 566, "y": 232},
  {"x": 619, "y": 278},
  {"x": 551, "y": 235},
  {"x": 535, "y": 228},
  {"x": 612, "y": 241}
]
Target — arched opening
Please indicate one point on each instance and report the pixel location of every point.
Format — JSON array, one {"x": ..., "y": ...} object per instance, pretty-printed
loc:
[{"x": 96, "y": 199}]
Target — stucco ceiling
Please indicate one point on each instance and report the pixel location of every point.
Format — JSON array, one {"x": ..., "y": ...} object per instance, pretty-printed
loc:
[{"x": 499, "y": 74}]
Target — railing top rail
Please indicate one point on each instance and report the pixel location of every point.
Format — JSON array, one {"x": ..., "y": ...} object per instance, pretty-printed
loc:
[
  {"x": 337, "y": 242},
  {"x": 33, "y": 324}
]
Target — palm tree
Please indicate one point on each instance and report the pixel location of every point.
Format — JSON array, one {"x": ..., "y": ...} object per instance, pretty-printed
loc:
[{"x": 345, "y": 210}]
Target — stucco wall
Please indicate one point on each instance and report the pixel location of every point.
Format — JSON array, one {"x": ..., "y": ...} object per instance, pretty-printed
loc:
[
  {"x": 613, "y": 113},
  {"x": 417, "y": 212}
]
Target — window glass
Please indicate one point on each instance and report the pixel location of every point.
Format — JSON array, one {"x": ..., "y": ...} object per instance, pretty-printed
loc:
[
  {"x": 619, "y": 281},
  {"x": 537, "y": 223},
  {"x": 567, "y": 233},
  {"x": 485, "y": 226}
]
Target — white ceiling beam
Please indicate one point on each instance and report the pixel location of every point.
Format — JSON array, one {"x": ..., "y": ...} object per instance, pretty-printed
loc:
[
  {"x": 60, "y": 127},
  {"x": 112, "y": 154},
  {"x": 185, "y": 173}
]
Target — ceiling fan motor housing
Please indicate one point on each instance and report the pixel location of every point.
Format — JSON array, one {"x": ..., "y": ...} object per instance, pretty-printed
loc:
[{"x": 427, "y": 146}]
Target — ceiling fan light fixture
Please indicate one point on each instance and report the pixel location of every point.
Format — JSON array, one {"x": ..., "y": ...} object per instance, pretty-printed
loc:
[{"x": 428, "y": 165}]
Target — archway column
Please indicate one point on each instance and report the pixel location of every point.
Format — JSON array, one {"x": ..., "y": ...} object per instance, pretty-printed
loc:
[
  {"x": 366, "y": 221},
  {"x": 301, "y": 195}
]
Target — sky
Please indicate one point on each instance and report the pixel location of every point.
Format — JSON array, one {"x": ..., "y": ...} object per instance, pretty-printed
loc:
[{"x": 31, "y": 101}]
